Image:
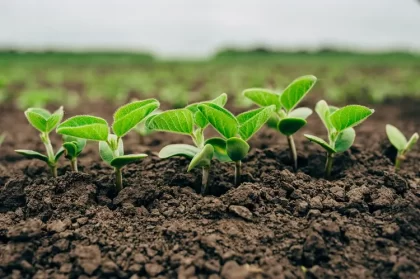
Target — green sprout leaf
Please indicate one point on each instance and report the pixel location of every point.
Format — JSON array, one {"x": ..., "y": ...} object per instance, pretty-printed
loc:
[
  {"x": 251, "y": 121},
  {"x": 300, "y": 113},
  {"x": 123, "y": 160},
  {"x": 411, "y": 142},
  {"x": 71, "y": 149},
  {"x": 398, "y": 140},
  {"x": 288, "y": 126},
  {"x": 323, "y": 111},
  {"x": 73, "y": 146},
  {"x": 54, "y": 119},
  {"x": 43, "y": 120},
  {"x": 219, "y": 146},
  {"x": 86, "y": 127},
  {"x": 321, "y": 142},
  {"x": 199, "y": 119},
  {"x": 32, "y": 155},
  {"x": 202, "y": 158},
  {"x": 185, "y": 150},
  {"x": 345, "y": 140},
  {"x": 59, "y": 153},
  {"x": 221, "y": 119},
  {"x": 107, "y": 153},
  {"x": 128, "y": 116},
  {"x": 263, "y": 97},
  {"x": 296, "y": 91},
  {"x": 237, "y": 149},
  {"x": 349, "y": 116},
  {"x": 273, "y": 121},
  {"x": 177, "y": 121}
]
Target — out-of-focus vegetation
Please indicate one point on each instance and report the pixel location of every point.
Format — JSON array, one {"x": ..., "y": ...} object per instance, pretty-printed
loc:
[{"x": 36, "y": 79}]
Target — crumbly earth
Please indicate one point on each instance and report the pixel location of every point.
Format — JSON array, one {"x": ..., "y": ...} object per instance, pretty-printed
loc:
[{"x": 363, "y": 223}]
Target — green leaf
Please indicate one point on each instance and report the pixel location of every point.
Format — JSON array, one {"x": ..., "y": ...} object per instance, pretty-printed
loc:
[
  {"x": 321, "y": 142},
  {"x": 177, "y": 121},
  {"x": 349, "y": 116},
  {"x": 79, "y": 142},
  {"x": 263, "y": 97},
  {"x": 237, "y": 149},
  {"x": 300, "y": 113},
  {"x": 128, "y": 116},
  {"x": 202, "y": 158},
  {"x": 171, "y": 150},
  {"x": 345, "y": 140},
  {"x": 54, "y": 120},
  {"x": 252, "y": 121},
  {"x": 221, "y": 119},
  {"x": 273, "y": 121},
  {"x": 107, "y": 153},
  {"x": 288, "y": 126},
  {"x": 59, "y": 153},
  {"x": 295, "y": 91},
  {"x": 70, "y": 149},
  {"x": 38, "y": 118},
  {"x": 32, "y": 155},
  {"x": 86, "y": 127},
  {"x": 219, "y": 146},
  {"x": 199, "y": 119},
  {"x": 123, "y": 160},
  {"x": 323, "y": 111},
  {"x": 411, "y": 142},
  {"x": 396, "y": 137}
]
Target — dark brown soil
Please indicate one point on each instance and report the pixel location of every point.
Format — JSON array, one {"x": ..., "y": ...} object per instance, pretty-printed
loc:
[{"x": 364, "y": 223}]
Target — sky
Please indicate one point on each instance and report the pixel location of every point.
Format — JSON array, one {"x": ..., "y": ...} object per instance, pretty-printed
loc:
[{"x": 175, "y": 28}]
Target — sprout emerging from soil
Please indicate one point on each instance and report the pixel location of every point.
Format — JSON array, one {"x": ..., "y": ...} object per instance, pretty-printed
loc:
[
  {"x": 236, "y": 131},
  {"x": 111, "y": 148},
  {"x": 399, "y": 141},
  {"x": 339, "y": 123},
  {"x": 188, "y": 121},
  {"x": 286, "y": 118},
  {"x": 44, "y": 122},
  {"x": 73, "y": 147}
]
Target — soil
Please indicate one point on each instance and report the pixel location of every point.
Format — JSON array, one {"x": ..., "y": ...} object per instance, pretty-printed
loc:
[{"x": 363, "y": 223}]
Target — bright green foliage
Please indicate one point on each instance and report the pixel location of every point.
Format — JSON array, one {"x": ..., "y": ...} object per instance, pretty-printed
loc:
[
  {"x": 285, "y": 118},
  {"x": 400, "y": 142},
  {"x": 111, "y": 146},
  {"x": 188, "y": 121},
  {"x": 44, "y": 122},
  {"x": 73, "y": 147},
  {"x": 235, "y": 131},
  {"x": 339, "y": 123}
]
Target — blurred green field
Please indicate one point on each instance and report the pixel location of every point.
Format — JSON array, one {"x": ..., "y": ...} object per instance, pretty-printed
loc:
[{"x": 38, "y": 79}]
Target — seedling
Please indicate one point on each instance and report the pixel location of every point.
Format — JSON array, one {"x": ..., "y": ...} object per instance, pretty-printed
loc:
[
  {"x": 73, "y": 147},
  {"x": 111, "y": 148},
  {"x": 286, "y": 118},
  {"x": 399, "y": 141},
  {"x": 44, "y": 122},
  {"x": 236, "y": 131},
  {"x": 339, "y": 123},
  {"x": 188, "y": 121}
]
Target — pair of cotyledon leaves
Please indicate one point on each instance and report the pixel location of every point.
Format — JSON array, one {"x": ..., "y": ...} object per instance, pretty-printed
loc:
[
  {"x": 399, "y": 141},
  {"x": 295, "y": 119},
  {"x": 44, "y": 122},
  {"x": 97, "y": 129},
  {"x": 339, "y": 121}
]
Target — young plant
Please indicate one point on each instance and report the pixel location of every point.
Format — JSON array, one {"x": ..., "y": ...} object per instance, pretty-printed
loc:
[
  {"x": 44, "y": 122},
  {"x": 286, "y": 118},
  {"x": 188, "y": 121},
  {"x": 399, "y": 141},
  {"x": 339, "y": 123},
  {"x": 73, "y": 147},
  {"x": 236, "y": 131},
  {"x": 111, "y": 148}
]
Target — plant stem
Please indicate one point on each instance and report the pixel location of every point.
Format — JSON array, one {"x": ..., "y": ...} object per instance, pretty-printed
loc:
[
  {"x": 54, "y": 170},
  {"x": 293, "y": 154},
  {"x": 238, "y": 165},
  {"x": 398, "y": 160},
  {"x": 118, "y": 179},
  {"x": 205, "y": 180},
  {"x": 328, "y": 165},
  {"x": 73, "y": 164},
  {"x": 50, "y": 153}
]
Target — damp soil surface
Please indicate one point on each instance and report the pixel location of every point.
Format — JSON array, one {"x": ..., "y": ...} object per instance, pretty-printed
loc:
[{"x": 363, "y": 223}]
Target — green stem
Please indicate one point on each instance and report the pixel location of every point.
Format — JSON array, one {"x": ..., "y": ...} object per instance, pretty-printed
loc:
[
  {"x": 50, "y": 153},
  {"x": 328, "y": 165},
  {"x": 118, "y": 179},
  {"x": 238, "y": 165},
  {"x": 398, "y": 161},
  {"x": 205, "y": 180},
  {"x": 73, "y": 164},
  {"x": 54, "y": 170},
  {"x": 293, "y": 154}
]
